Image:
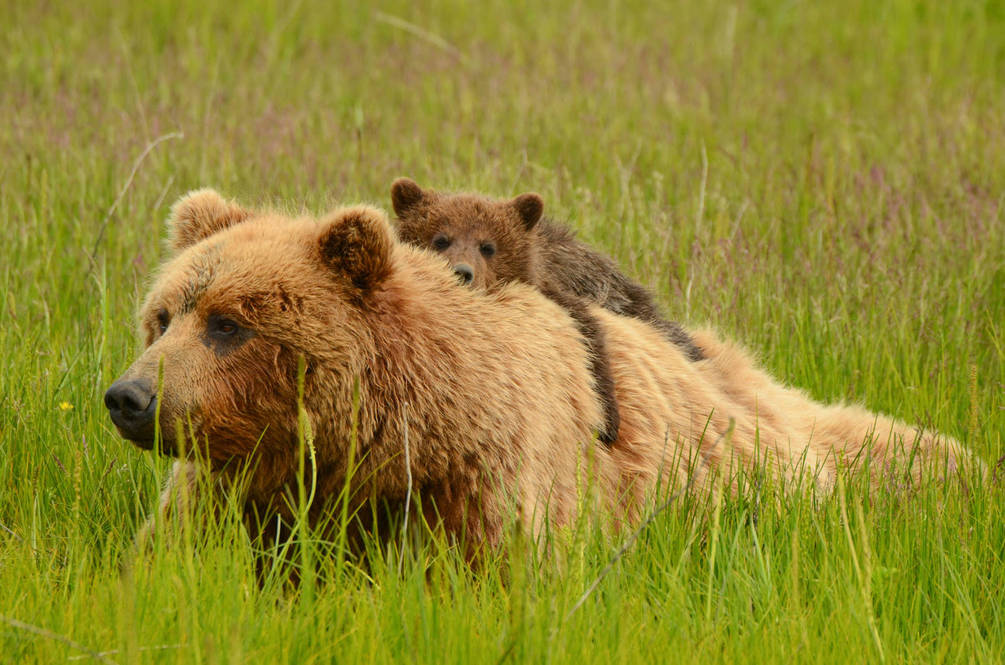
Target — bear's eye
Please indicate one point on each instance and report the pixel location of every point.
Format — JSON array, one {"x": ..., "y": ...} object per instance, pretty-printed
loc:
[
  {"x": 487, "y": 249},
  {"x": 221, "y": 327},
  {"x": 163, "y": 321},
  {"x": 440, "y": 242}
]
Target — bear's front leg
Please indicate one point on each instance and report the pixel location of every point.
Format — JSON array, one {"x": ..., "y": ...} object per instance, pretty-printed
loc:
[{"x": 177, "y": 500}]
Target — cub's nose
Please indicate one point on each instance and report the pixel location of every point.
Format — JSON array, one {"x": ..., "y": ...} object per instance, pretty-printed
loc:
[
  {"x": 133, "y": 408},
  {"x": 464, "y": 272}
]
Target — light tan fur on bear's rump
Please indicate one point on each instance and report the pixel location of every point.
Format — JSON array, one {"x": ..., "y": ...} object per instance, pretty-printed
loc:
[
  {"x": 725, "y": 413},
  {"x": 501, "y": 402}
]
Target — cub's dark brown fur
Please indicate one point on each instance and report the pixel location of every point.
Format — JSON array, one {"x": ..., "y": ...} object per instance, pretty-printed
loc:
[
  {"x": 490, "y": 242},
  {"x": 591, "y": 275}
]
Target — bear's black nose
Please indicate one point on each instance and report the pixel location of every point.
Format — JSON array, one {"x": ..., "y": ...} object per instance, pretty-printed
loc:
[
  {"x": 464, "y": 272},
  {"x": 133, "y": 408}
]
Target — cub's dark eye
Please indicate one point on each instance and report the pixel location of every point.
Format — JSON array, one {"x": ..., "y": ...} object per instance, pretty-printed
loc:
[
  {"x": 221, "y": 327},
  {"x": 487, "y": 249},
  {"x": 440, "y": 242},
  {"x": 163, "y": 321}
]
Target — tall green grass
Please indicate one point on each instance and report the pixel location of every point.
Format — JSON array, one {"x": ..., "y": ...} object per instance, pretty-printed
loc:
[{"x": 823, "y": 181}]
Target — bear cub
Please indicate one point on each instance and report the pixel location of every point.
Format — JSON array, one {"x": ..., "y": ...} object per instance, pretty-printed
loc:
[{"x": 490, "y": 242}]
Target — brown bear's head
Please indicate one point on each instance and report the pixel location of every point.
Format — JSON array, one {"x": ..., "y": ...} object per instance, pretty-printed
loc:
[
  {"x": 243, "y": 296},
  {"x": 486, "y": 241}
]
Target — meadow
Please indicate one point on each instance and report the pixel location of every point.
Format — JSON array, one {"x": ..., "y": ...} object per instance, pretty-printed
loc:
[{"x": 821, "y": 181}]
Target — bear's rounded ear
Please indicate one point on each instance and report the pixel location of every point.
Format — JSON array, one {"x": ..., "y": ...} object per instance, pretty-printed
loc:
[
  {"x": 199, "y": 214},
  {"x": 529, "y": 207},
  {"x": 405, "y": 195},
  {"x": 357, "y": 242}
]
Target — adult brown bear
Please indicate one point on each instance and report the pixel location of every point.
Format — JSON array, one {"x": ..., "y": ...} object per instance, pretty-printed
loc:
[{"x": 502, "y": 403}]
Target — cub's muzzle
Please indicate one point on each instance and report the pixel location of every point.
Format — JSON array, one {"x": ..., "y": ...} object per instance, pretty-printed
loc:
[
  {"x": 133, "y": 407},
  {"x": 464, "y": 272}
]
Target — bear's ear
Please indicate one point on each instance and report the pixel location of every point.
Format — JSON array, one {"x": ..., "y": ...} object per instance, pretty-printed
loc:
[
  {"x": 357, "y": 242},
  {"x": 529, "y": 207},
  {"x": 405, "y": 195},
  {"x": 199, "y": 214}
]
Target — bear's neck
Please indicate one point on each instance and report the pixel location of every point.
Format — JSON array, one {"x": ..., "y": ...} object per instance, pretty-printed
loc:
[{"x": 423, "y": 338}]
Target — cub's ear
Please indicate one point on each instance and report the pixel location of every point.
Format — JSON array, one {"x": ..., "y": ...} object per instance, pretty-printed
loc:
[
  {"x": 357, "y": 243},
  {"x": 199, "y": 214},
  {"x": 529, "y": 207},
  {"x": 405, "y": 195}
]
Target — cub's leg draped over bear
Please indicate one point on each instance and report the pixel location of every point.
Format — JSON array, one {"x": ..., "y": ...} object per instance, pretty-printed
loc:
[
  {"x": 500, "y": 395},
  {"x": 490, "y": 242}
]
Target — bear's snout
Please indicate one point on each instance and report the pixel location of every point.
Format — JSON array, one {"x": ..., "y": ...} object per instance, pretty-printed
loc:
[
  {"x": 132, "y": 404},
  {"x": 464, "y": 272}
]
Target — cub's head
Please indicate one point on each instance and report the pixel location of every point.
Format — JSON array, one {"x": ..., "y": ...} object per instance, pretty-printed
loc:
[
  {"x": 486, "y": 241},
  {"x": 244, "y": 295}
]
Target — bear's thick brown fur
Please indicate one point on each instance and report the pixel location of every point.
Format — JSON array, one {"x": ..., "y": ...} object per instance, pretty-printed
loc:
[
  {"x": 491, "y": 243},
  {"x": 496, "y": 241},
  {"x": 500, "y": 399}
]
